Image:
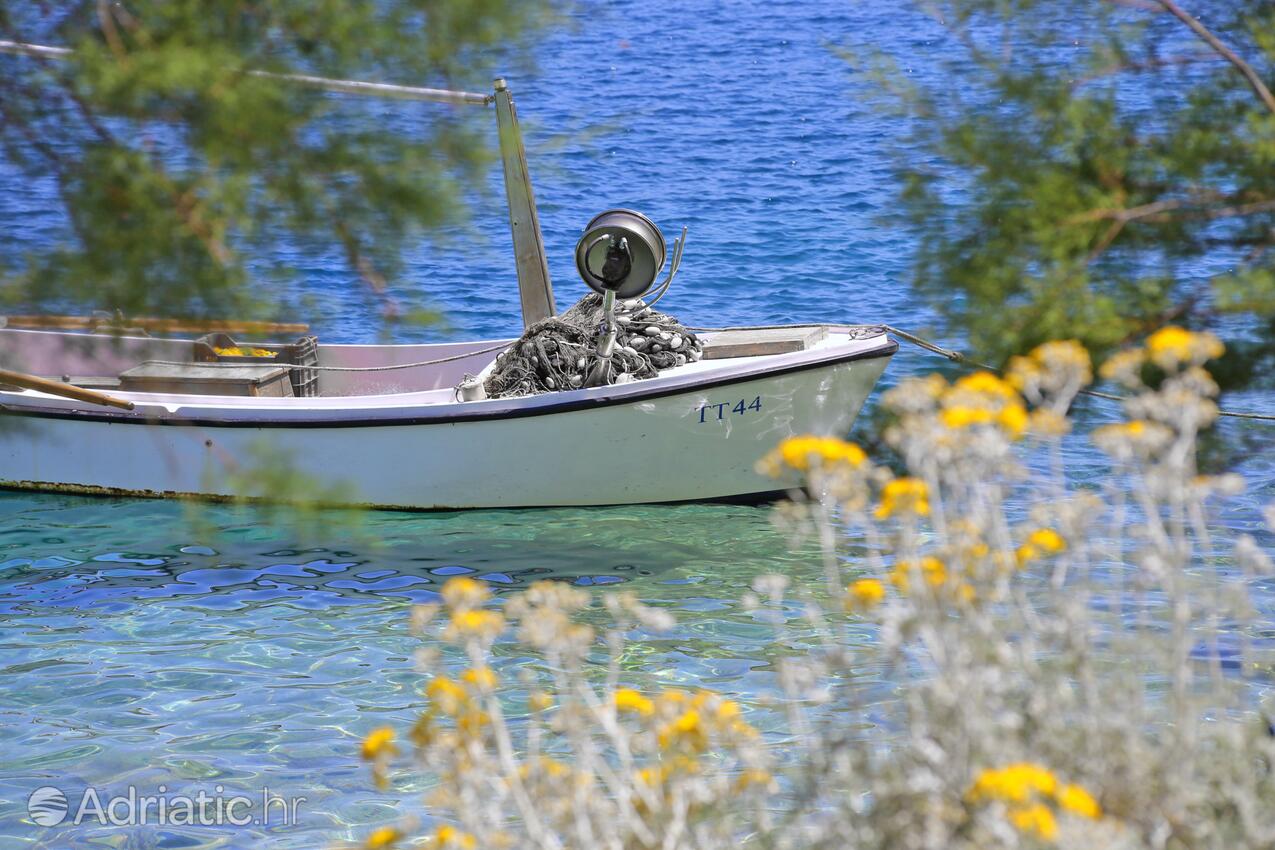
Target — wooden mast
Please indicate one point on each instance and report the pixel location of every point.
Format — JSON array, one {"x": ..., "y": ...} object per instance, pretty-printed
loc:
[{"x": 534, "y": 285}]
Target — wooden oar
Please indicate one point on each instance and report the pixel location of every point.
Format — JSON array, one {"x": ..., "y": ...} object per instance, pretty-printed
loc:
[
  {"x": 44, "y": 385},
  {"x": 79, "y": 323}
]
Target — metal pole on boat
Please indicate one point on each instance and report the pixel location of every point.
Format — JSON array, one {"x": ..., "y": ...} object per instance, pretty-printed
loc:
[{"x": 534, "y": 286}]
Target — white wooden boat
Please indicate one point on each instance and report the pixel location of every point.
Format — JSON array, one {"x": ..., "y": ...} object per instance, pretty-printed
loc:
[
  {"x": 382, "y": 433},
  {"x": 400, "y": 439}
]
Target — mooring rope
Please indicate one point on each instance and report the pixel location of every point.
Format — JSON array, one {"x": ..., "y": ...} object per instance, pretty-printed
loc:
[{"x": 958, "y": 357}]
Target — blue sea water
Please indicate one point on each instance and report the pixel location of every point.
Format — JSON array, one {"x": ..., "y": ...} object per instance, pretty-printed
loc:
[{"x": 151, "y": 644}]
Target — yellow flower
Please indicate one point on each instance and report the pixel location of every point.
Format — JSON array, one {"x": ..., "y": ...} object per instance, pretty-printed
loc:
[
  {"x": 482, "y": 678},
  {"x": 727, "y": 712},
  {"x": 1036, "y": 820},
  {"x": 386, "y": 836},
  {"x": 471, "y": 723},
  {"x": 539, "y": 701},
  {"x": 1137, "y": 437},
  {"x": 933, "y": 572},
  {"x": 1013, "y": 419},
  {"x": 904, "y": 495},
  {"x": 464, "y": 592},
  {"x": 446, "y": 694},
  {"x": 795, "y": 451},
  {"x": 551, "y": 767},
  {"x": 986, "y": 383},
  {"x": 1047, "y": 540},
  {"x": 473, "y": 623},
  {"x": 1065, "y": 357},
  {"x": 984, "y": 399},
  {"x": 754, "y": 777},
  {"x": 801, "y": 453},
  {"x": 673, "y": 696},
  {"x": 379, "y": 742},
  {"x": 1170, "y": 340},
  {"x": 1041, "y": 543},
  {"x": 1023, "y": 372},
  {"x": 450, "y": 836},
  {"x": 652, "y": 777},
  {"x": 864, "y": 594},
  {"x": 1172, "y": 346},
  {"x": 958, "y": 417},
  {"x": 1013, "y": 783},
  {"x": 627, "y": 699},
  {"x": 686, "y": 732},
  {"x": 1078, "y": 801},
  {"x": 1125, "y": 367}
]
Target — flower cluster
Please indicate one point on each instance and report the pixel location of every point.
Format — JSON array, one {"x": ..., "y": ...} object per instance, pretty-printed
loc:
[
  {"x": 1041, "y": 543},
  {"x": 1172, "y": 410},
  {"x": 997, "y": 607},
  {"x": 622, "y": 761},
  {"x": 1080, "y": 631},
  {"x": 908, "y": 497},
  {"x": 1033, "y": 797},
  {"x": 983, "y": 399},
  {"x": 807, "y": 452},
  {"x": 1172, "y": 348}
]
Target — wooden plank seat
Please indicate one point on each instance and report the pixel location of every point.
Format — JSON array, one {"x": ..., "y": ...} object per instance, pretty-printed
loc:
[
  {"x": 227, "y": 379},
  {"x": 756, "y": 342}
]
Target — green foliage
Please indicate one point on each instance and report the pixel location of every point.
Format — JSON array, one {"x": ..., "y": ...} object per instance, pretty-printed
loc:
[
  {"x": 1096, "y": 172},
  {"x": 179, "y": 171}
]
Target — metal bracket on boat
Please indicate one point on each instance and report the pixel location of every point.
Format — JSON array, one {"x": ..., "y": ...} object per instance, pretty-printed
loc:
[
  {"x": 674, "y": 264},
  {"x": 471, "y": 389},
  {"x": 600, "y": 374}
]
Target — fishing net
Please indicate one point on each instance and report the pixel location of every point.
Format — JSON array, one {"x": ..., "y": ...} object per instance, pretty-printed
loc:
[{"x": 560, "y": 353}]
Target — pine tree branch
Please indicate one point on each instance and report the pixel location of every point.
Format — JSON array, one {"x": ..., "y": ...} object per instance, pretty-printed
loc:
[
  {"x": 1213, "y": 41},
  {"x": 1159, "y": 211}
]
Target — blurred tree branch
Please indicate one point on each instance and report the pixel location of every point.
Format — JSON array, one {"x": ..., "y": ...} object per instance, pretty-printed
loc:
[
  {"x": 1214, "y": 42},
  {"x": 181, "y": 174},
  {"x": 1080, "y": 172}
]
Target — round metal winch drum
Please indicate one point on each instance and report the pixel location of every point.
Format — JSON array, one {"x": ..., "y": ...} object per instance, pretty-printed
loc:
[{"x": 620, "y": 230}]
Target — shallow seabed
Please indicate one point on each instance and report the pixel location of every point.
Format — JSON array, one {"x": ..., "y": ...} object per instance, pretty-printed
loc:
[{"x": 135, "y": 654}]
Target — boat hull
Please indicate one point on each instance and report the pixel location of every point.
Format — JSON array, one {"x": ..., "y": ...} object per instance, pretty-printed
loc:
[{"x": 684, "y": 443}]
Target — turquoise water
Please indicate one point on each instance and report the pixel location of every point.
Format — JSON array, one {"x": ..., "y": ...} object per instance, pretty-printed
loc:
[{"x": 152, "y": 644}]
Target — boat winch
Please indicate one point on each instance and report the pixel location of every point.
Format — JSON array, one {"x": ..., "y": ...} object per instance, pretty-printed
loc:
[
  {"x": 619, "y": 256},
  {"x": 621, "y": 251},
  {"x": 609, "y": 339}
]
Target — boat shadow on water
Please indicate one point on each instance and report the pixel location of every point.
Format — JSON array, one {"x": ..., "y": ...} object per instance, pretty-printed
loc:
[{"x": 86, "y": 552}]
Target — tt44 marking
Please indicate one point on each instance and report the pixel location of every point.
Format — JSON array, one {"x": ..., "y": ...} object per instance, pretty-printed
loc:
[{"x": 738, "y": 408}]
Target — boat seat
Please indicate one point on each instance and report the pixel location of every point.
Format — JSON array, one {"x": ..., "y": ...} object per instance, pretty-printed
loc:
[
  {"x": 757, "y": 342},
  {"x": 224, "y": 379},
  {"x": 87, "y": 382}
]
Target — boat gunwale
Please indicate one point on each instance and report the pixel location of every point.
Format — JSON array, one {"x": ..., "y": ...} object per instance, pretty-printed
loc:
[{"x": 454, "y": 413}]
